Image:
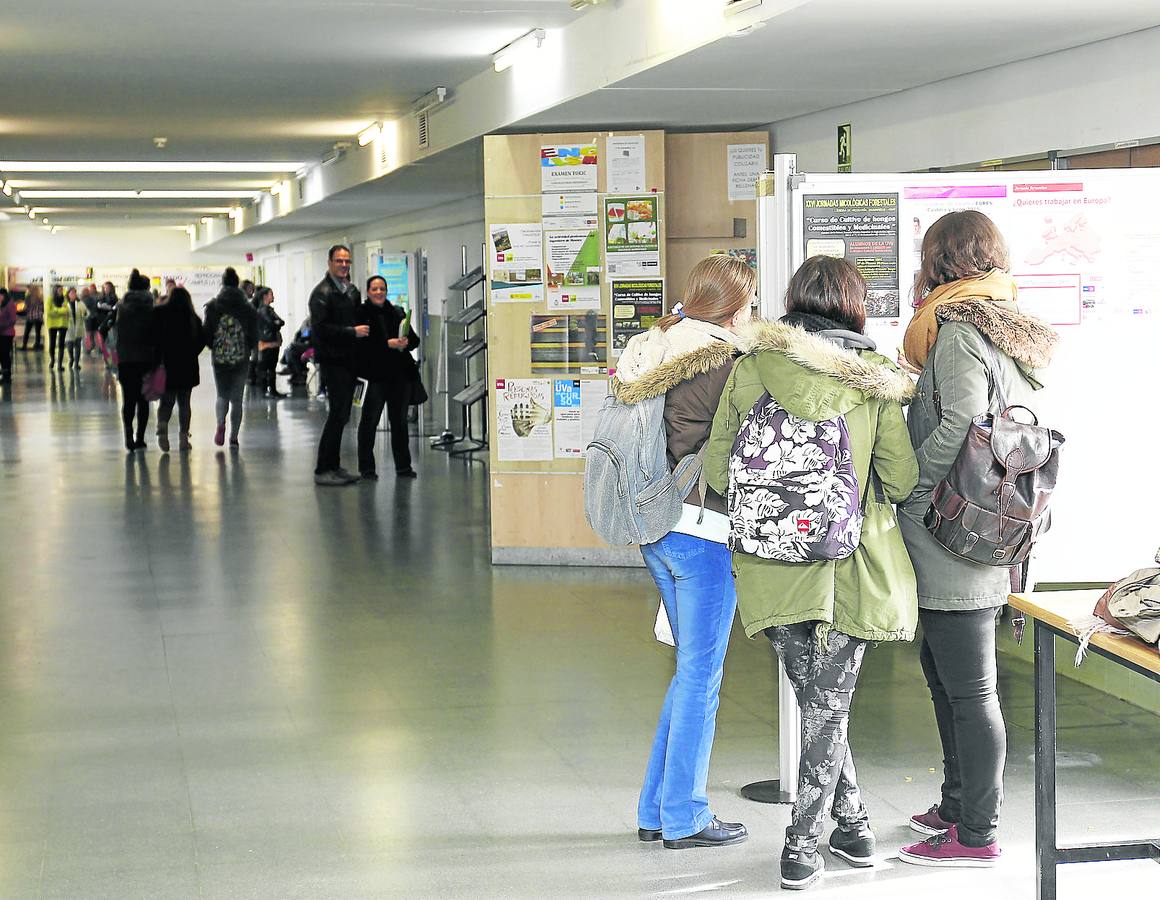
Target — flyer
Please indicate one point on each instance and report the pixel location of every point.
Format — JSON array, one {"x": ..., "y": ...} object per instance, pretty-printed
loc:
[
  {"x": 568, "y": 168},
  {"x": 568, "y": 344},
  {"x": 523, "y": 408},
  {"x": 516, "y": 263},
  {"x": 573, "y": 267},
  {"x": 567, "y": 415},
  {"x": 625, "y": 164},
  {"x": 632, "y": 236},
  {"x": 861, "y": 228},
  {"x": 569, "y": 210},
  {"x": 637, "y": 303},
  {"x": 746, "y": 163}
]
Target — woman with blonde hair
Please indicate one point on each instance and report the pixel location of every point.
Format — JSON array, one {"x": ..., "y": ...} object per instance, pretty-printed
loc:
[
  {"x": 686, "y": 357},
  {"x": 967, "y": 336}
]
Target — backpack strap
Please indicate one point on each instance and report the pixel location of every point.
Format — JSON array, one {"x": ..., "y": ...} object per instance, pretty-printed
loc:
[{"x": 996, "y": 373}]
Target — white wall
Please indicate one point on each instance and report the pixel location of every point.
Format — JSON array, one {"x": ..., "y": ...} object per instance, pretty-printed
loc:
[
  {"x": 1087, "y": 96},
  {"x": 24, "y": 244}
]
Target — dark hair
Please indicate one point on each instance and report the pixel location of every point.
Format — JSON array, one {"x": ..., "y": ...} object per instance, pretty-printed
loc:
[
  {"x": 138, "y": 282},
  {"x": 180, "y": 299},
  {"x": 4, "y": 292},
  {"x": 247, "y": 281},
  {"x": 333, "y": 250},
  {"x": 962, "y": 244},
  {"x": 260, "y": 294},
  {"x": 829, "y": 287},
  {"x": 375, "y": 278},
  {"x": 230, "y": 277}
]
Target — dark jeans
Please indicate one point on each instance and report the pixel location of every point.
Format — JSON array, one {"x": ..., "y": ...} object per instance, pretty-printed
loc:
[
  {"x": 6, "y": 342},
  {"x": 339, "y": 381},
  {"x": 56, "y": 342},
  {"x": 30, "y": 327},
  {"x": 267, "y": 366},
  {"x": 823, "y": 678},
  {"x": 165, "y": 410},
  {"x": 395, "y": 396},
  {"x": 133, "y": 402},
  {"x": 74, "y": 352},
  {"x": 230, "y": 382},
  {"x": 958, "y": 659}
]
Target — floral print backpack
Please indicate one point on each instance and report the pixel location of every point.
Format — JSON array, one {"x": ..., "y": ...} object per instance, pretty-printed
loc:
[{"x": 793, "y": 491}]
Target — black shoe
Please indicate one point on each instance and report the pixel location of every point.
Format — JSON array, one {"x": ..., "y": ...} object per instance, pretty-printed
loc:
[
  {"x": 369, "y": 475},
  {"x": 856, "y": 846},
  {"x": 648, "y": 836},
  {"x": 407, "y": 473},
  {"x": 715, "y": 834},
  {"x": 800, "y": 869}
]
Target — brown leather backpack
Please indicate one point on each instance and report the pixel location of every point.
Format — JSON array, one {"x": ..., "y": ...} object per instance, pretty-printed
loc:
[{"x": 993, "y": 504}]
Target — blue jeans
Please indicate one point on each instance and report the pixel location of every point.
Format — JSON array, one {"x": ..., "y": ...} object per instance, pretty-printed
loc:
[{"x": 696, "y": 585}]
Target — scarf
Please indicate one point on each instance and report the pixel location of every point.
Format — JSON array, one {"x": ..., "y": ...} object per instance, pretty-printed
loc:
[{"x": 996, "y": 286}]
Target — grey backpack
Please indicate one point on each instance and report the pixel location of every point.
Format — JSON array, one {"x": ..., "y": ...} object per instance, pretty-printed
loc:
[{"x": 630, "y": 495}]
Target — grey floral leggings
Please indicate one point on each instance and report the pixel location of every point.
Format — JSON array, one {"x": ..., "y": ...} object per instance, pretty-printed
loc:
[{"x": 824, "y": 678}]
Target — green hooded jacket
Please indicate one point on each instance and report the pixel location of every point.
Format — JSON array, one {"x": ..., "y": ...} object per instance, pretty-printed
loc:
[{"x": 871, "y": 594}]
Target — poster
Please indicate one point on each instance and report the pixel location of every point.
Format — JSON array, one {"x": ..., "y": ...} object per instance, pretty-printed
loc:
[
  {"x": 396, "y": 269},
  {"x": 569, "y": 210},
  {"x": 568, "y": 344},
  {"x": 568, "y": 168},
  {"x": 523, "y": 408},
  {"x": 746, "y": 163},
  {"x": 632, "y": 236},
  {"x": 861, "y": 228},
  {"x": 516, "y": 263},
  {"x": 573, "y": 267},
  {"x": 576, "y": 410},
  {"x": 625, "y": 165},
  {"x": 636, "y": 306}
]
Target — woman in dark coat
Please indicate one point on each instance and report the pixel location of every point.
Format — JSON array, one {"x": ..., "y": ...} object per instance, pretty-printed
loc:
[
  {"x": 386, "y": 363},
  {"x": 136, "y": 355},
  {"x": 180, "y": 340},
  {"x": 270, "y": 326}
]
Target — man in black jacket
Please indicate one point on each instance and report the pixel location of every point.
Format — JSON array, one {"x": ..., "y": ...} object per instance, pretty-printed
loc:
[{"x": 333, "y": 332}]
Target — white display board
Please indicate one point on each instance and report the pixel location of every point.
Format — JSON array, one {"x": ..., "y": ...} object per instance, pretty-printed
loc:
[{"x": 1085, "y": 252}]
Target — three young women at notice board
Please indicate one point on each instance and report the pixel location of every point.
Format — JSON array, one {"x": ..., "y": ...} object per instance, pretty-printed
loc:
[{"x": 821, "y": 617}]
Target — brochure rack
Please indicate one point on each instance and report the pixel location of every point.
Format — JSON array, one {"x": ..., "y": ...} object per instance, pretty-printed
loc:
[{"x": 465, "y": 382}]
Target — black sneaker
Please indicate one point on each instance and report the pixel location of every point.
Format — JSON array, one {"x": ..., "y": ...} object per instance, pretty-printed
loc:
[
  {"x": 854, "y": 845},
  {"x": 800, "y": 868}
]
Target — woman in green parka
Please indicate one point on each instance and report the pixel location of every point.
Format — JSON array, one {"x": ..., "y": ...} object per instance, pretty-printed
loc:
[{"x": 820, "y": 616}]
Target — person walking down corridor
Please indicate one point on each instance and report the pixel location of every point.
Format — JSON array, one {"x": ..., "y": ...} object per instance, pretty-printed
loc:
[
  {"x": 231, "y": 332},
  {"x": 75, "y": 333},
  {"x": 33, "y": 317},
  {"x": 7, "y": 334},
  {"x": 180, "y": 339},
  {"x": 136, "y": 354},
  {"x": 385, "y": 361},
  {"x": 56, "y": 321},
  {"x": 334, "y": 332}
]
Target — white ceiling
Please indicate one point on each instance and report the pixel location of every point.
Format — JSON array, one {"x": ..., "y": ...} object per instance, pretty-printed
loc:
[{"x": 283, "y": 80}]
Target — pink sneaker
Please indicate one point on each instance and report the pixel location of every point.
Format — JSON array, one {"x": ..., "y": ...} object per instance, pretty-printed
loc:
[
  {"x": 945, "y": 850},
  {"x": 930, "y": 822},
  {"x": 219, "y": 436}
]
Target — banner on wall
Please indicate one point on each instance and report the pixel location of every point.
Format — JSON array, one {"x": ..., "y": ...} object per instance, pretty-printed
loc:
[
  {"x": 516, "y": 263},
  {"x": 570, "y": 168}
]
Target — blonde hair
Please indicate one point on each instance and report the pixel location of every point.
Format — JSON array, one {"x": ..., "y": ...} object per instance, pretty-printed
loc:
[{"x": 718, "y": 287}]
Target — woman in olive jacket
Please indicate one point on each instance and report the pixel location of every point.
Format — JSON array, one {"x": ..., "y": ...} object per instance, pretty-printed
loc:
[
  {"x": 821, "y": 616},
  {"x": 384, "y": 360},
  {"x": 965, "y": 300}
]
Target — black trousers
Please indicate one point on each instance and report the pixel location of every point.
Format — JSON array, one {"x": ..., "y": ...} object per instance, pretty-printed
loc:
[
  {"x": 6, "y": 342},
  {"x": 395, "y": 395},
  {"x": 30, "y": 327},
  {"x": 339, "y": 381},
  {"x": 133, "y": 402},
  {"x": 184, "y": 412},
  {"x": 958, "y": 659},
  {"x": 56, "y": 338},
  {"x": 267, "y": 367}
]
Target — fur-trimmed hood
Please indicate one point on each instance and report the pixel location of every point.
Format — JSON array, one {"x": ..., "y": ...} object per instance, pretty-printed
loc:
[
  {"x": 1026, "y": 339},
  {"x": 872, "y": 375},
  {"x": 657, "y": 361}
]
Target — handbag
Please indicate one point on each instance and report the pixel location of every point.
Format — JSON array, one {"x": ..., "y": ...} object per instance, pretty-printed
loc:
[
  {"x": 993, "y": 503},
  {"x": 153, "y": 385},
  {"x": 418, "y": 391}
]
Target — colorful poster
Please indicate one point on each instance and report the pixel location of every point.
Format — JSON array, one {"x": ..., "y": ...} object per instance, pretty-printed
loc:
[
  {"x": 636, "y": 306},
  {"x": 568, "y": 344},
  {"x": 569, "y": 210},
  {"x": 625, "y": 165},
  {"x": 567, "y": 415},
  {"x": 746, "y": 163},
  {"x": 396, "y": 269},
  {"x": 632, "y": 235},
  {"x": 516, "y": 263},
  {"x": 861, "y": 228},
  {"x": 523, "y": 408},
  {"x": 748, "y": 254},
  {"x": 573, "y": 268},
  {"x": 568, "y": 168}
]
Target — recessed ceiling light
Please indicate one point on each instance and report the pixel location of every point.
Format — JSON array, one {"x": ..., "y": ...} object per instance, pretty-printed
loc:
[
  {"x": 160, "y": 142},
  {"x": 44, "y": 221},
  {"x": 133, "y": 166}
]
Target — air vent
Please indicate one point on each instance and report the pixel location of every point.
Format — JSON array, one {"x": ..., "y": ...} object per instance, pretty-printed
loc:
[{"x": 424, "y": 130}]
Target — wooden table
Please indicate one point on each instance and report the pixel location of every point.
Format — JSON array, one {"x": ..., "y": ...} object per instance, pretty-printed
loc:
[{"x": 1052, "y": 612}]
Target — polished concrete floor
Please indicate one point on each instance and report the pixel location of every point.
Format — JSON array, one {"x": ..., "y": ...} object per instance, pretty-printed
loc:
[{"x": 219, "y": 681}]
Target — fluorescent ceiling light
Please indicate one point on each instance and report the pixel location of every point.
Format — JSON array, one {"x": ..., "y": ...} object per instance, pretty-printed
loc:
[
  {"x": 369, "y": 134},
  {"x": 505, "y": 58},
  {"x": 40, "y": 166},
  {"x": 137, "y": 195}
]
